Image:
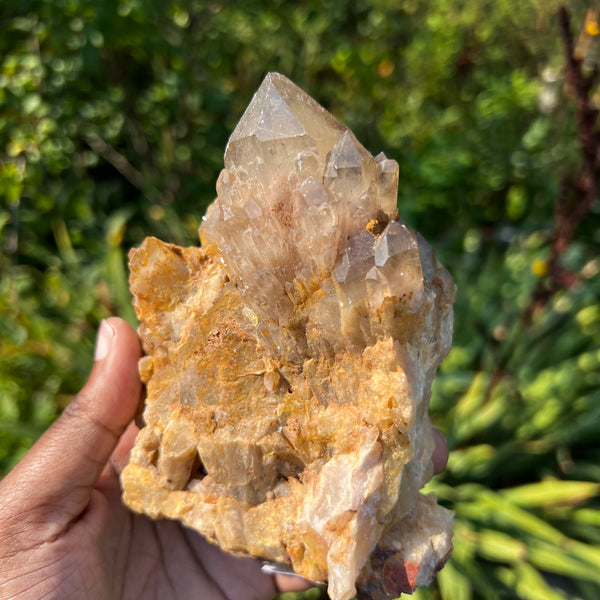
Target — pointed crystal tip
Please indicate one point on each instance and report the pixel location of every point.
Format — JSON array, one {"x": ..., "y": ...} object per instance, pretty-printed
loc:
[
  {"x": 268, "y": 117},
  {"x": 280, "y": 110}
]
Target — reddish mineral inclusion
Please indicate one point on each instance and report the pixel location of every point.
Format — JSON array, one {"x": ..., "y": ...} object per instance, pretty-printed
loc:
[{"x": 289, "y": 361}]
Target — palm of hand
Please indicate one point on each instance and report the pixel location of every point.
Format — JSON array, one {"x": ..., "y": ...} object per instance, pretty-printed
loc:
[
  {"x": 140, "y": 558},
  {"x": 108, "y": 552},
  {"x": 66, "y": 535}
]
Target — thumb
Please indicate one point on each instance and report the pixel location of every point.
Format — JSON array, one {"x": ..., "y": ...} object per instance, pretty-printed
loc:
[{"x": 55, "y": 478}]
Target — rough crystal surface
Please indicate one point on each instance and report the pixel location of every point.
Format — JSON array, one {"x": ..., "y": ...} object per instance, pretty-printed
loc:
[{"x": 289, "y": 360}]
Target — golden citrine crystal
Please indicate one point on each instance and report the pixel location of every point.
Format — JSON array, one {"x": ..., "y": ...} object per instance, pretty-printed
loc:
[{"x": 289, "y": 360}]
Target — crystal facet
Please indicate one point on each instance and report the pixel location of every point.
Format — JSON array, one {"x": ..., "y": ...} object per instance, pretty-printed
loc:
[{"x": 289, "y": 360}]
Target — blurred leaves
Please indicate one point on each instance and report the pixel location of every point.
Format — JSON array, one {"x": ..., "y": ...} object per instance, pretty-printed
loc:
[{"x": 113, "y": 120}]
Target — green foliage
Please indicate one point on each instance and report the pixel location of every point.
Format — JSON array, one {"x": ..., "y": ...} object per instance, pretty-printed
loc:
[{"x": 113, "y": 120}]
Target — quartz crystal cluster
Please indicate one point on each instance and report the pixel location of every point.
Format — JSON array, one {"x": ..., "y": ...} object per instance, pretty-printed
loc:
[{"x": 289, "y": 361}]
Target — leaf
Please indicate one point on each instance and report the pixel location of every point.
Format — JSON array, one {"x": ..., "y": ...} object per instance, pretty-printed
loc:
[
  {"x": 549, "y": 492},
  {"x": 454, "y": 585},
  {"x": 556, "y": 560},
  {"x": 530, "y": 585}
]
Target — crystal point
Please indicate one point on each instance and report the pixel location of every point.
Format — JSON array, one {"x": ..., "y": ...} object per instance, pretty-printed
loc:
[
  {"x": 347, "y": 153},
  {"x": 395, "y": 241},
  {"x": 289, "y": 360},
  {"x": 268, "y": 117}
]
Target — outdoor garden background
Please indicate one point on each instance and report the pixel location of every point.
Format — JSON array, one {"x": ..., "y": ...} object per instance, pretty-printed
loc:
[{"x": 114, "y": 115}]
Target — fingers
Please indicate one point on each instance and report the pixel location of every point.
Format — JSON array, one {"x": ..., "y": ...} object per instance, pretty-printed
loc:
[
  {"x": 440, "y": 453},
  {"x": 59, "y": 472},
  {"x": 121, "y": 454},
  {"x": 248, "y": 583},
  {"x": 292, "y": 583}
]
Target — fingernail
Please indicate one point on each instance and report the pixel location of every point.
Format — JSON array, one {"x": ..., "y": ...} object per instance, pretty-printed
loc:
[
  {"x": 106, "y": 335},
  {"x": 275, "y": 569}
]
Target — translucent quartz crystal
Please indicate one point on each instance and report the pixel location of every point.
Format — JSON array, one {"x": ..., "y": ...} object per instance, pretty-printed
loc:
[{"x": 290, "y": 360}]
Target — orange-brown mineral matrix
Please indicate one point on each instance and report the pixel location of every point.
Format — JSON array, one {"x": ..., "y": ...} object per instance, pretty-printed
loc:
[{"x": 289, "y": 361}]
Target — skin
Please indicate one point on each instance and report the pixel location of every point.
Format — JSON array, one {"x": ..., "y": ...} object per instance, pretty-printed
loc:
[{"x": 64, "y": 533}]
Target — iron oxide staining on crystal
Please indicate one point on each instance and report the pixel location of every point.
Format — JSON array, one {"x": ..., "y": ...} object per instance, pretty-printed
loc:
[{"x": 289, "y": 361}]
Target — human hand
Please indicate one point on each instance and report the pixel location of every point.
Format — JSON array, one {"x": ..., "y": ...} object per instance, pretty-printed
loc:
[{"x": 65, "y": 533}]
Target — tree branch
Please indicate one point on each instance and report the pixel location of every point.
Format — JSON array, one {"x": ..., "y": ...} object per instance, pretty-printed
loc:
[
  {"x": 576, "y": 196},
  {"x": 572, "y": 207},
  {"x": 121, "y": 164}
]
